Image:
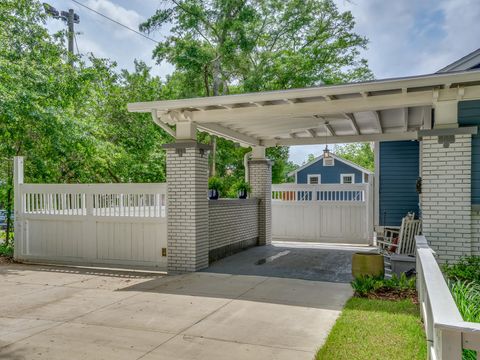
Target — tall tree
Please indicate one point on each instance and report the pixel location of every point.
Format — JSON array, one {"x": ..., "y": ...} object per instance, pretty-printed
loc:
[
  {"x": 359, "y": 153},
  {"x": 233, "y": 46}
]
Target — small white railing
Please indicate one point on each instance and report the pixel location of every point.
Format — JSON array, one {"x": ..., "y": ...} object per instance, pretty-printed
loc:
[
  {"x": 447, "y": 333},
  {"x": 327, "y": 192},
  {"x": 118, "y": 200}
]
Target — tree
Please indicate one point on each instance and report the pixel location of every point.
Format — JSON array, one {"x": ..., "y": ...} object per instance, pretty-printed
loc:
[
  {"x": 359, "y": 153},
  {"x": 247, "y": 45},
  {"x": 233, "y": 46}
]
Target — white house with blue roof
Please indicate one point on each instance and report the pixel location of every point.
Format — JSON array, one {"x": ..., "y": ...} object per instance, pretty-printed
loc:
[{"x": 331, "y": 170}]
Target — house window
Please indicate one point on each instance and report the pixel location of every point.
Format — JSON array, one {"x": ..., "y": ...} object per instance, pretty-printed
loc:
[
  {"x": 347, "y": 179},
  {"x": 314, "y": 179},
  {"x": 330, "y": 161}
]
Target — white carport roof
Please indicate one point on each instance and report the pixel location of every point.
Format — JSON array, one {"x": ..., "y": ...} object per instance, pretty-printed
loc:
[{"x": 390, "y": 109}]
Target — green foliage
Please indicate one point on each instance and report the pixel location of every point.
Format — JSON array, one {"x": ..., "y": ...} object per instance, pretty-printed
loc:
[
  {"x": 358, "y": 153},
  {"x": 376, "y": 329},
  {"x": 466, "y": 269},
  {"x": 242, "y": 185},
  {"x": 215, "y": 183},
  {"x": 367, "y": 285},
  {"x": 6, "y": 250},
  {"x": 467, "y": 297}
]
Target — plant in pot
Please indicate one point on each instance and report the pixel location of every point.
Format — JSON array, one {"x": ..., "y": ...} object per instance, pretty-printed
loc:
[
  {"x": 243, "y": 188},
  {"x": 214, "y": 186}
]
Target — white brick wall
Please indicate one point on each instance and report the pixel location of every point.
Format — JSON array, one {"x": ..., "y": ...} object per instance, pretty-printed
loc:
[
  {"x": 476, "y": 233},
  {"x": 187, "y": 176},
  {"x": 232, "y": 222},
  {"x": 446, "y": 196},
  {"x": 260, "y": 178}
]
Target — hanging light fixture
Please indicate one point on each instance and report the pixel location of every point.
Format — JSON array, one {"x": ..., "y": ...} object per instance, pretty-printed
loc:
[{"x": 326, "y": 151}]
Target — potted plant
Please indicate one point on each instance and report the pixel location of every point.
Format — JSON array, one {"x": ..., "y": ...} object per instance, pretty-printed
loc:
[
  {"x": 243, "y": 188},
  {"x": 214, "y": 185}
]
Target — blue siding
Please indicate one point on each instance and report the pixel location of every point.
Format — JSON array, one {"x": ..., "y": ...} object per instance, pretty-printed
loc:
[
  {"x": 469, "y": 115},
  {"x": 399, "y": 170},
  {"x": 329, "y": 174}
]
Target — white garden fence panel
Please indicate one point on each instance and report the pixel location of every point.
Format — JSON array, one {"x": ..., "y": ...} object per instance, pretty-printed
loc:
[
  {"x": 338, "y": 213},
  {"x": 92, "y": 224}
]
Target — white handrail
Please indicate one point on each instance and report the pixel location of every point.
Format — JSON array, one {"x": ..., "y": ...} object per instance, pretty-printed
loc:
[{"x": 447, "y": 333}]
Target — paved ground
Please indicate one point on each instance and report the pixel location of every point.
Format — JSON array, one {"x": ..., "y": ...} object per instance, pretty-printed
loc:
[{"x": 265, "y": 303}]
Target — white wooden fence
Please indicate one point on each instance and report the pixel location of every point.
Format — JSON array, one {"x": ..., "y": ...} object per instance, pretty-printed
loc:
[
  {"x": 91, "y": 224},
  {"x": 340, "y": 213},
  {"x": 446, "y": 331}
]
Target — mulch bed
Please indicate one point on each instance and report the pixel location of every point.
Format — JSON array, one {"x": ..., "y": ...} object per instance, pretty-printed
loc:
[
  {"x": 394, "y": 294},
  {"x": 6, "y": 260}
]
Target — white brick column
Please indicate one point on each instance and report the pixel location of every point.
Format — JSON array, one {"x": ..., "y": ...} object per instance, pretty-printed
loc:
[
  {"x": 187, "y": 183},
  {"x": 446, "y": 196},
  {"x": 260, "y": 179}
]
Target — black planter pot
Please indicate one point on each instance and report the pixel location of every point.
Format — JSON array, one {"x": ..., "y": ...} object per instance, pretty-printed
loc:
[
  {"x": 213, "y": 194},
  {"x": 242, "y": 194}
]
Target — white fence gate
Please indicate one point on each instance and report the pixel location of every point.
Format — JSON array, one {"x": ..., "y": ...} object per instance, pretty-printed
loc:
[
  {"x": 91, "y": 224},
  {"x": 336, "y": 213}
]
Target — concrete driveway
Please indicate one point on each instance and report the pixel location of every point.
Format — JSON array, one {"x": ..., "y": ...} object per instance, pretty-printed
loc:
[{"x": 264, "y": 303}]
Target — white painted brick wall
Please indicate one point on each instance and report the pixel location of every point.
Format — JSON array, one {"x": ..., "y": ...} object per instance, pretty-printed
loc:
[
  {"x": 260, "y": 179},
  {"x": 187, "y": 177},
  {"x": 232, "y": 221},
  {"x": 446, "y": 196},
  {"x": 476, "y": 233}
]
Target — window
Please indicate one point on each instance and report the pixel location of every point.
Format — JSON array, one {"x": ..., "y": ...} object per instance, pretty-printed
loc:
[
  {"x": 329, "y": 161},
  {"x": 347, "y": 178},
  {"x": 314, "y": 179}
]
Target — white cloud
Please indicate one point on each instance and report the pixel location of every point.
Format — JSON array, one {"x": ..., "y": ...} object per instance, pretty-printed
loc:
[{"x": 128, "y": 17}]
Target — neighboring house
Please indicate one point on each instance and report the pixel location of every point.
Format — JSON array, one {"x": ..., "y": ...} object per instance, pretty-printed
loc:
[
  {"x": 331, "y": 170},
  {"x": 398, "y": 164}
]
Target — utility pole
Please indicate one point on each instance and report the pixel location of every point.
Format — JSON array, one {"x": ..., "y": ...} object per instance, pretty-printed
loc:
[{"x": 67, "y": 16}]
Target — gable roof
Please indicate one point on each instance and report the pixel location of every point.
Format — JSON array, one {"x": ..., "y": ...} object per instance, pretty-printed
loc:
[
  {"x": 337, "y": 158},
  {"x": 469, "y": 61}
]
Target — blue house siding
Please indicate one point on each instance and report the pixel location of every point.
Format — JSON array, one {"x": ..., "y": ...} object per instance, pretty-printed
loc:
[
  {"x": 469, "y": 115},
  {"x": 329, "y": 174},
  {"x": 399, "y": 170}
]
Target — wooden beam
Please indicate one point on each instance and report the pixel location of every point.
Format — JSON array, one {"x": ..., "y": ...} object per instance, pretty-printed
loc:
[
  {"x": 329, "y": 129},
  {"x": 380, "y": 102},
  {"x": 405, "y": 119},
  {"x": 164, "y": 126},
  {"x": 227, "y": 133},
  {"x": 378, "y": 122},
  {"x": 412, "y": 135},
  {"x": 312, "y": 132},
  {"x": 353, "y": 122}
]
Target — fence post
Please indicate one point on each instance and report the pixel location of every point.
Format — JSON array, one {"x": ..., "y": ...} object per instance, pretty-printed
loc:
[
  {"x": 369, "y": 207},
  {"x": 18, "y": 235}
]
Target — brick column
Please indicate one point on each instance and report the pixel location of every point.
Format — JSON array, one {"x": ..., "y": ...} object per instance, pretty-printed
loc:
[
  {"x": 260, "y": 179},
  {"x": 187, "y": 183},
  {"x": 446, "y": 196}
]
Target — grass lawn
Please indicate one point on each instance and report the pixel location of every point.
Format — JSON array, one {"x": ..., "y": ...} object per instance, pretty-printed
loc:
[{"x": 376, "y": 329}]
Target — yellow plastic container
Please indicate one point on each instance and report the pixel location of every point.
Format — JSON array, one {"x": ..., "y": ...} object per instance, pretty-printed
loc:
[{"x": 366, "y": 263}]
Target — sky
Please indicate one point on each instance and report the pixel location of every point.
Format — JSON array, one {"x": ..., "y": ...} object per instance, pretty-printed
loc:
[{"x": 406, "y": 37}]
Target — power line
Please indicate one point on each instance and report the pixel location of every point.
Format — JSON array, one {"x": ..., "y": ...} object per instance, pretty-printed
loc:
[
  {"x": 76, "y": 44},
  {"x": 116, "y": 22}
]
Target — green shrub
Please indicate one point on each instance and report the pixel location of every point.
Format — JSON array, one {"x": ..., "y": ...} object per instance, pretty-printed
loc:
[
  {"x": 467, "y": 297},
  {"x": 6, "y": 250},
  {"x": 368, "y": 285},
  {"x": 467, "y": 269},
  {"x": 215, "y": 183},
  {"x": 242, "y": 185}
]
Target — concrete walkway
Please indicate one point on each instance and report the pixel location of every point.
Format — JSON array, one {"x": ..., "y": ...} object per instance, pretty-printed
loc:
[{"x": 239, "y": 309}]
